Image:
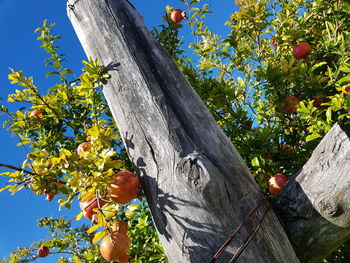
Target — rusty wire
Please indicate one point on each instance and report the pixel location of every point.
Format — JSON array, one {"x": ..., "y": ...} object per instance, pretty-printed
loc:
[{"x": 247, "y": 240}]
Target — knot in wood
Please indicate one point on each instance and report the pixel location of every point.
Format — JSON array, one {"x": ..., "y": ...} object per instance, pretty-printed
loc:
[
  {"x": 329, "y": 208},
  {"x": 191, "y": 168},
  {"x": 334, "y": 212}
]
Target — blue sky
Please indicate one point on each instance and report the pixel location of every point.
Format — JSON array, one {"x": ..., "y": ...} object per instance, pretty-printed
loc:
[{"x": 20, "y": 50}]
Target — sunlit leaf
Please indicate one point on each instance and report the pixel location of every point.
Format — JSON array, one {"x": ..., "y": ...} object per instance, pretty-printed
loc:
[
  {"x": 99, "y": 235},
  {"x": 92, "y": 229}
]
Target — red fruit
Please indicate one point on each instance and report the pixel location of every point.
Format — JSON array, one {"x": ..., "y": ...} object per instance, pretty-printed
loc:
[
  {"x": 347, "y": 90},
  {"x": 123, "y": 258},
  {"x": 302, "y": 50},
  {"x": 83, "y": 147},
  {"x": 49, "y": 196},
  {"x": 120, "y": 226},
  {"x": 124, "y": 188},
  {"x": 276, "y": 183},
  {"x": 284, "y": 147},
  {"x": 36, "y": 114},
  {"x": 290, "y": 104},
  {"x": 317, "y": 101},
  {"x": 90, "y": 205},
  {"x": 178, "y": 15},
  {"x": 43, "y": 251},
  {"x": 114, "y": 246}
]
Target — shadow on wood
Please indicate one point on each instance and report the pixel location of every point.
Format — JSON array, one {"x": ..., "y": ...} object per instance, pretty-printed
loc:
[
  {"x": 197, "y": 185},
  {"x": 315, "y": 204}
]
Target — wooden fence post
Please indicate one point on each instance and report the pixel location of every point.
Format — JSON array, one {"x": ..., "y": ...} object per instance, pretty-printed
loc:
[
  {"x": 198, "y": 188},
  {"x": 315, "y": 204}
]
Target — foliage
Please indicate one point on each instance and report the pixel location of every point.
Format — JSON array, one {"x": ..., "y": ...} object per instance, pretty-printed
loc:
[
  {"x": 73, "y": 112},
  {"x": 243, "y": 78},
  {"x": 74, "y": 244}
]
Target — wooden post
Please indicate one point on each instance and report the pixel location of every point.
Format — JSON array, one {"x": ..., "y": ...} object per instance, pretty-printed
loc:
[
  {"x": 315, "y": 204},
  {"x": 198, "y": 188}
]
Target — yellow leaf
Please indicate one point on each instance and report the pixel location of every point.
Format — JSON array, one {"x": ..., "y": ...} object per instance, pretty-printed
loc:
[
  {"x": 129, "y": 214},
  {"x": 99, "y": 235},
  {"x": 79, "y": 216},
  {"x": 90, "y": 193},
  {"x": 116, "y": 164},
  {"x": 110, "y": 172},
  {"x": 133, "y": 207},
  {"x": 6, "y": 174},
  {"x": 55, "y": 161},
  {"x": 5, "y": 187},
  {"x": 92, "y": 229},
  {"x": 110, "y": 210},
  {"x": 16, "y": 189},
  {"x": 101, "y": 220},
  {"x": 65, "y": 152}
]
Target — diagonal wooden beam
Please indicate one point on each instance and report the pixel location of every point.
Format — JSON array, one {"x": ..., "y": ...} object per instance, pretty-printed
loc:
[
  {"x": 196, "y": 184},
  {"x": 315, "y": 205}
]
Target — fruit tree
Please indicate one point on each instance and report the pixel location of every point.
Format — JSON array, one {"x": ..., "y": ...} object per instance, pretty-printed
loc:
[{"x": 201, "y": 132}]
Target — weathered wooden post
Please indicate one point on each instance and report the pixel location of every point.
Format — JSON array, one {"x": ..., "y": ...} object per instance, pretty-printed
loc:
[
  {"x": 315, "y": 205},
  {"x": 198, "y": 188}
]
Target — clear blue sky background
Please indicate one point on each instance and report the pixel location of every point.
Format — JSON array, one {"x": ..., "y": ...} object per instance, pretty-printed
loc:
[{"x": 20, "y": 50}]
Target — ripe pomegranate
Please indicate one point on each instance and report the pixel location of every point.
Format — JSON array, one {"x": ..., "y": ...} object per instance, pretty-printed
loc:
[
  {"x": 114, "y": 246},
  {"x": 120, "y": 226},
  {"x": 43, "y": 251},
  {"x": 49, "y": 196},
  {"x": 124, "y": 188},
  {"x": 178, "y": 15},
  {"x": 36, "y": 114},
  {"x": 302, "y": 50},
  {"x": 290, "y": 104},
  {"x": 83, "y": 147},
  {"x": 90, "y": 205},
  {"x": 123, "y": 258},
  {"x": 276, "y": 183}
]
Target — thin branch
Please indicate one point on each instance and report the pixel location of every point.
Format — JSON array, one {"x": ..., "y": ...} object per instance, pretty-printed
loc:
[{"x": 17, "y": 169}]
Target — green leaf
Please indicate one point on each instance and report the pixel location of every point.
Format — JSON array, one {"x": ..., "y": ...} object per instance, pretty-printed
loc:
[
  {"x": 51, "y": 73},
  {"x": 345, "y": 69},
  {"x": 255, "y": 162},
  {"x": 344, "y": 79},
  {"x": 318, "y": 65},
  {"x": 23, "y": 142},
  {"x": 312, "y": 137},
  {"x": 329, "y": 114}
]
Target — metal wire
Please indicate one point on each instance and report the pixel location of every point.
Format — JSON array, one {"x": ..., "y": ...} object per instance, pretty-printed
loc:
[{"x": 247, "y": 240}]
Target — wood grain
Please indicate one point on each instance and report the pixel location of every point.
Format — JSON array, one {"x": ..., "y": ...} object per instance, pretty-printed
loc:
[
  {"x": 196, "y": 183},
  {"x": 315, "y": 204}
]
